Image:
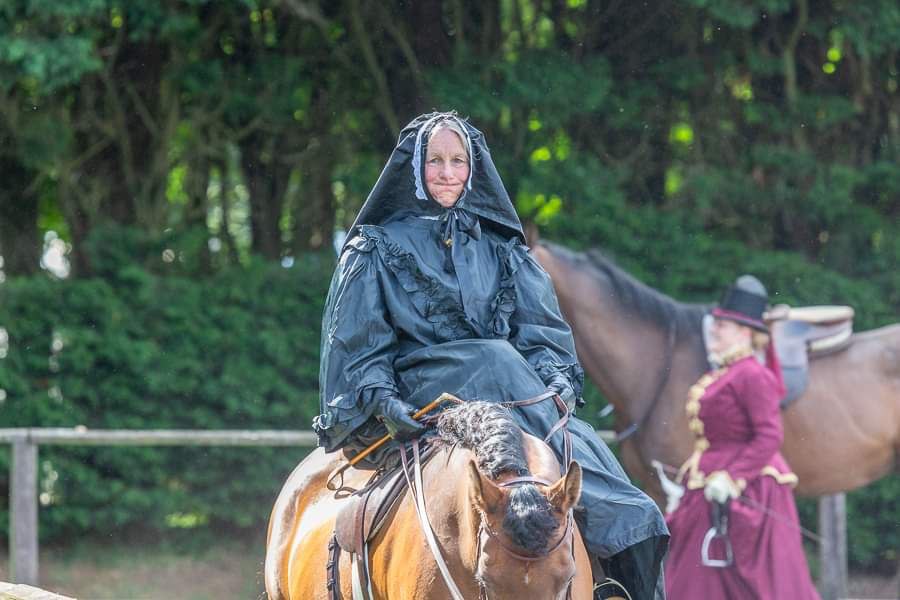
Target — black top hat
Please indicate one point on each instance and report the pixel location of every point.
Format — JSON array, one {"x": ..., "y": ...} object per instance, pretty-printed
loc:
[{"x": 744, "y": 303}]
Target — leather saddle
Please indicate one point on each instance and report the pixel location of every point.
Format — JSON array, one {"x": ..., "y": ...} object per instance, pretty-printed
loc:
[
  {"x": 364, "y": 513},
  {"x": 801, "y": 334},
  {"x": 366, "y": 510},
  {"x": 805, "y": 333},
  {"x": 819, "y": 329}
]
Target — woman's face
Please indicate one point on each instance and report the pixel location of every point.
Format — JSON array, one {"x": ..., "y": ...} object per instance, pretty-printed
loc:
[
  {"x": 727, "y": 335},
  {"x": 446, "y": 167}
]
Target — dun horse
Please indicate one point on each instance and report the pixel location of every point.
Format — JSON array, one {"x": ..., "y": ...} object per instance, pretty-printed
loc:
[
  {"x": 500, "y": 534},
  {"x": 644, "y": 350}
]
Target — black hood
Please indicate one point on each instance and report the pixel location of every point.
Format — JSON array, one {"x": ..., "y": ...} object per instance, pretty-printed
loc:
[{"x": 400, "y": 190}]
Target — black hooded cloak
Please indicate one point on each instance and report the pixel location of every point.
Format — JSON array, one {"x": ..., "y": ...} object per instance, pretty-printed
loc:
[{"x": 428, "y": 300}]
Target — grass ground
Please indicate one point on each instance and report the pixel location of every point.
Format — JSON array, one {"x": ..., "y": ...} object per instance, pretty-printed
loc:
[
  {"x": 134, "y": 569},
  {"x": 152, "y": 570}
]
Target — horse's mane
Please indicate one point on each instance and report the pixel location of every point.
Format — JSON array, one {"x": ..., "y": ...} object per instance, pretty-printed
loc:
[
  {"x": 633, "y": 294},
  {"x": 491, "y": 433}
]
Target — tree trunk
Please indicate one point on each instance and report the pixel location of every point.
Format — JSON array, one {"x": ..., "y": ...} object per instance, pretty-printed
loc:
[
  {"x": 430, "y": 41},
  {"x": 313, "y": 209},
  {"x": 196, "y": 184},
  {"x": 125, "y": 181},
  {"x": 79, "y": 223},
  {"x": 313, "y": 214},
  {"x": 20, "y": 242},
  {"x": 267, "y": 179},
  {"x": 224, "y": 201}
]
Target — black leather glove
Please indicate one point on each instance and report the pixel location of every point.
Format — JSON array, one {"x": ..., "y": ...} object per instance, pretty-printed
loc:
[
  {"x": 395, "y": 414},
  {"x": 561, "y": 386}
]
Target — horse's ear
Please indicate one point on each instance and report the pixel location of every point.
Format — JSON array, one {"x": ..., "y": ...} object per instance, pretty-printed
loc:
[
  {"x": 564, "y": 494},
  {"x": 484, "y": 493}
]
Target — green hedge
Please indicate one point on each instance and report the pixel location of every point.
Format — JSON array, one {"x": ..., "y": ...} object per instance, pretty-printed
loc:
[
  {"x": 141, "y": 349},
  {"x": 156, "y": 344}
]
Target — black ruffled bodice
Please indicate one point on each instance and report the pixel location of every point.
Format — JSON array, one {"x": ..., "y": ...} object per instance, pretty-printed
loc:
[{"x": 402, "y": 287}]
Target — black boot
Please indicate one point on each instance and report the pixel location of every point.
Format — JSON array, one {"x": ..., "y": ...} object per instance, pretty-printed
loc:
[
  {"x": 637, "y": 569},
  {"x": 604, "y": 587},
  {"x": 610, "y": 589}
]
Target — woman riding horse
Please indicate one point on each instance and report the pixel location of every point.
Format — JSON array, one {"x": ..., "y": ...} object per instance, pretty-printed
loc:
[{"x": 436, "y": 292}]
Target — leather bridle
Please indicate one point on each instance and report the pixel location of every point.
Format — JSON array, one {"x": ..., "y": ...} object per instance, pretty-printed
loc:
[
  {"x": 484, "y": 527},
  {"x": 412, "y": 470}
]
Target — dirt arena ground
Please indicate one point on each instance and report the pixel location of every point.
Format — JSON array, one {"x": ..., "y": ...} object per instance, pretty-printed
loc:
[{"x": 228, "y": 570}]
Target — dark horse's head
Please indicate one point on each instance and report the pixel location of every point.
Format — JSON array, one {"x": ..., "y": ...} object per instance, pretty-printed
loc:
[{"x": 525, "y": 521}]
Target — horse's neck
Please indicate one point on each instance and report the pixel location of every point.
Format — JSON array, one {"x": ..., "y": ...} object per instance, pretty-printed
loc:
[
  {"x": 452, "y": 516},
  {"x": 620, "y": 351},
  {"x": 631, "y": 358}
]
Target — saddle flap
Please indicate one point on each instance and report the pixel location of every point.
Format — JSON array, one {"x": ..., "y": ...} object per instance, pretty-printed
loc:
[
  {"x": 804, "y": 333},
  {"x": 364, "y": 511}
]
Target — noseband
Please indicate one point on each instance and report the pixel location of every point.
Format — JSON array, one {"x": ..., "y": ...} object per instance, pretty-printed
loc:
[
  {"x": 513, "y": 551},
  {"x": 412, "y": 471},
  {"x": 413, "y": 474}
]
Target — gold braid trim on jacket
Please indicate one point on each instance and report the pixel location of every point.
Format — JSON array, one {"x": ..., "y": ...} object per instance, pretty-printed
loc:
[{"x": 690, "y": 474}]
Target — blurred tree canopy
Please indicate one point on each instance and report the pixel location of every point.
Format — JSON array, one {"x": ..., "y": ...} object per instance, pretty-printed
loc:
[
  {"x": 164, "y": 162},
  {"x": 262, "y": 124}
]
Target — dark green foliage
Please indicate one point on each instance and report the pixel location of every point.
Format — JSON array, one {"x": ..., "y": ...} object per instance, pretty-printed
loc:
[{"x": 142, "y": 350}]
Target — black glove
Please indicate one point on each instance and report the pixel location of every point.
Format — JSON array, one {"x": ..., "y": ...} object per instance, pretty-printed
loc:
[
  {"x": 559, "y": 384},
  {"x": 395, "y": 414}
]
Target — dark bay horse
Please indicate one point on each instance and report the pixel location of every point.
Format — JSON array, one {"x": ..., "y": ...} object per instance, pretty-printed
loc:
[
  {"x": 644, "y": 350},
  {"x": 498, "y": 542}
]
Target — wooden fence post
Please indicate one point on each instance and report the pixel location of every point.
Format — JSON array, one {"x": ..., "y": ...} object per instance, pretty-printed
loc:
[
  {"x": 23, "y": 503},
  {"x": 833, "y": 551}
]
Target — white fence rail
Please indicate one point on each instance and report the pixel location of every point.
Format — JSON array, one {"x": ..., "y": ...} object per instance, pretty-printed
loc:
[{"x": 23, "y": 490}]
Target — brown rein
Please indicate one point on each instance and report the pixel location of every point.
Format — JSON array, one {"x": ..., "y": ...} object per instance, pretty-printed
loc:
[
  {"x": 561, "y": 424},
  {"x": 412, "y": 471}
]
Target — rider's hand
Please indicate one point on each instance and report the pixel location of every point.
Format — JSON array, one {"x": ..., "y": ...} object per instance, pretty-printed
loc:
[
  {"x": 560, "y": 385},
  {"x": 395, "y": 414},
  {"x": 720, "y": 488}
]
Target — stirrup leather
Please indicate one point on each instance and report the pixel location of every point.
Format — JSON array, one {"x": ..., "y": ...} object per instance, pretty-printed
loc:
[{"x": 610, "y": 589}]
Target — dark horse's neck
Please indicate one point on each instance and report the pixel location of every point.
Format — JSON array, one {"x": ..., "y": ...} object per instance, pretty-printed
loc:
[{"x": 627, "y": 332}]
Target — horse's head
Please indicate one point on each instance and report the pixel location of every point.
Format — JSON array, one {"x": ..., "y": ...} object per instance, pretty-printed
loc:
[{"x": 525, "y": 539}]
